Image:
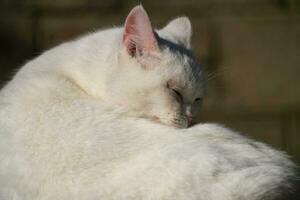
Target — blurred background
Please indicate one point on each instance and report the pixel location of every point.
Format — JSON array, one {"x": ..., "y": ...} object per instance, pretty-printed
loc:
[{"x": 250, "y": 48}]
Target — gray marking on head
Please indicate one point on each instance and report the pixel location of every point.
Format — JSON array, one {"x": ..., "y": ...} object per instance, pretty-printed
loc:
[
  {"x": 175, "y": 48},
  {"x": 182, "y": 51}
]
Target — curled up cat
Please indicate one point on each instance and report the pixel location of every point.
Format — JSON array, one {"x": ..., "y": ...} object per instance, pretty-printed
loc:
[{"x": 108, "y": 117}]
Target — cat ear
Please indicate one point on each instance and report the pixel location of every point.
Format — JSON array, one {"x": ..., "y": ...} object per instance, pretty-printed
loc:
[
  {"x": 180, "y": 30},
  {"x": 138, "y": 36}
]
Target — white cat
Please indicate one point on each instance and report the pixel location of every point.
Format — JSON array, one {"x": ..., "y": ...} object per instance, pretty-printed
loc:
[{"x": 85, "y": 121}]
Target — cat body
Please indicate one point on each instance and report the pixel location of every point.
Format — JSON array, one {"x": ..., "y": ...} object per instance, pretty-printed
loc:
[
  {"x": 69, "y": 151},
  {"x": 69, "y": 132}
]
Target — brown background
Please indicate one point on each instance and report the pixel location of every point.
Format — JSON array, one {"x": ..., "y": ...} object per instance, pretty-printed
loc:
[{"x": 251, "y": 48}]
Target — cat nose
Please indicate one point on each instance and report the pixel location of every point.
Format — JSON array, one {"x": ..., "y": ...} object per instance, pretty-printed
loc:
[
  {"x": 189, "y": 119},
  {"x": 189, "y": 115}
]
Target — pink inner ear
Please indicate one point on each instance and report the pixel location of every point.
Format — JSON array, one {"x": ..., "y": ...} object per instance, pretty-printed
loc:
[
  {"x": 128, "y": 36},
  {"x": 138, "y": 36}
]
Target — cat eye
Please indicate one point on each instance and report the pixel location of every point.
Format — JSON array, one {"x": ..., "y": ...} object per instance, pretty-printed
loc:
[
  {"x": 175, "y": 92},
  {"x": 179, "y": 96},
  {"x": 198, "y": 99}
]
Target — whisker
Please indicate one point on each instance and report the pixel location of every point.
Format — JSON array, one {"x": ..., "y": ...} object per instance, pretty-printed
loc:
[{"x": 213, "y": 74}]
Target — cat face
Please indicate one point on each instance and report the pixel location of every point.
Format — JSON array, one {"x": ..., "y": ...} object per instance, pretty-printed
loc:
[{"x": 158, "y": 74}]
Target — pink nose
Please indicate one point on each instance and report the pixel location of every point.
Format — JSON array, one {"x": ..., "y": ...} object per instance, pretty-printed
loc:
[{"x": 189, "y": 119}]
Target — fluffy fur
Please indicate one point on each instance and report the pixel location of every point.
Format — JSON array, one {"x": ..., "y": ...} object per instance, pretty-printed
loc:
[{"x": 76, "y": 124}]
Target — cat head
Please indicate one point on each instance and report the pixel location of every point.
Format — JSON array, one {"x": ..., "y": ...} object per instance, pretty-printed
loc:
[{"x": 158, "y": 74}]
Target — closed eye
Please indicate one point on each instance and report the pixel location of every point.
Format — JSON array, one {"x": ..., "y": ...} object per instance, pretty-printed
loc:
[
  {"x": 177, "y": 94},
  {"x": 198, "y": 99}
]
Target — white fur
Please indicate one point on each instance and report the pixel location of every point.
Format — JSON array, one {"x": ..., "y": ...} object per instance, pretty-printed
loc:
[
  {"x": 65, "y": 135},
  {"x": 179, "y": 30}
]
